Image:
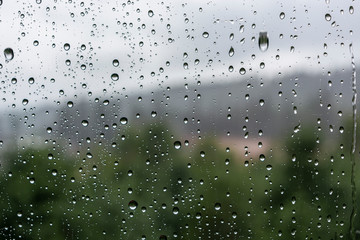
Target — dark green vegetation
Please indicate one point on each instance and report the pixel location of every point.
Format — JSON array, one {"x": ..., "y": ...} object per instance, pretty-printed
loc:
[{"x": 143, "y": 187}]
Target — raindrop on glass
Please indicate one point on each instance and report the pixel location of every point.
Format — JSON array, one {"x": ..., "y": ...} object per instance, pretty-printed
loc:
[
  {"x": 327, "y": 17},
  {"x": 123, "y": 120},
  {"x": 133, "y": 204},
  {"x": 177, "y": 145},
  {"x": 150, "y": 13},
  {"x": 114, "y": 77},
  {"x": 84, "y": 123},
  {"x": 115, "y": 62},
  {"x": 217, "y": 206},
  {"x": 66, "y": 46},
  {"x": 231, "y": 52},
  {"x": 242, "y": 71},
  {"x": 9, "y": 54},
  {"x": 282, "y": 15}
]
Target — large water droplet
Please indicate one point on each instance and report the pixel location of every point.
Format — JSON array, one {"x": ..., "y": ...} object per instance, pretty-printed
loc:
[
  {"x": 263, "y": 41},
  {"x": 205, "y": 34},
  {"x": 9, "y": 54},
  {"x": 150, "y": 13}
]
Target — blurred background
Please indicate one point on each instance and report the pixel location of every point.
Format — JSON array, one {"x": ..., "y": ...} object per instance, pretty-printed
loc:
[{"x": 179, "y": 119}]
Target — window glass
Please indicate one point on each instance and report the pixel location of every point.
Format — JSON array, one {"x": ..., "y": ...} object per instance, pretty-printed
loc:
[{"x": 179, "y": 119}]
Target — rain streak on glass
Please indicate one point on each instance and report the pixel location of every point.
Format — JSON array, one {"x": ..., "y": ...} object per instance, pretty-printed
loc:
[{"x": 263, "y": 41}]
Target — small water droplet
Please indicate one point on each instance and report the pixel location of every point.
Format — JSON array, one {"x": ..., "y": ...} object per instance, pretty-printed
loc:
[
  {"x": 31, "y": 80},
  {"x": 54, "y": 172},
  {"x": 66, "y": 46},
  {"x": 9, "y": 54},
  {"x": 242, "y": 71},
  {"x": 115, "y": 62},
  {"x": 175, "y": 211},
  {"x": 217, "y": 206},
  {"x": 205, "y": 34},
  {"x": 85, "y": 123},
  {"x": 282, "y": 15},
  {"x": 150, "y": 13},
  {"x": 123, "y": 120},
  {"x": 262, "y": 157},
  {"x": 231, "y": 52},
  {"x": 133, "y": 204},
  {"x": 328, "y": 17},
  {"x": 177, "y": 145},
  {"x": 70, "y": 104},
  {"x": 263, "y": 41},
  {"x": 25, "y": 102},
  {"x": 114, "y": 77},
  {"x": 351, "y": 9}
]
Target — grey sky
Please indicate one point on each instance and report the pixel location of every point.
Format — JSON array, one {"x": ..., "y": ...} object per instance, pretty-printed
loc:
[{"x": 105, "y": 30}]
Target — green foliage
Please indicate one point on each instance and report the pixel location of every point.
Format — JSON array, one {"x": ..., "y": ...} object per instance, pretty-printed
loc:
[{"x": 143, "y": 187}]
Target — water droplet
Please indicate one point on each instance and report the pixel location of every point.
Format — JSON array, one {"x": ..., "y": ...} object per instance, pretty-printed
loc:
[
  {"x": 66, "y": 46},
  {"x": 261, "y": 102},
  {"x": 268, "y": 167},
  {"x": 231, "y": 52},
  {"x": 242, "y": 71},
  {"x": 351, "y": 9},
  {"x": 262, "y": 65},
  {"x": 262, "y": 157},
  {"x": 25, "y": 102},
  {"x": 217, "y": 206},
  {"x": 114, "y": 77},
  {"x": 177, "y": 145},
  {"x": 31, "y": 80},
  {"x": 205, "y": 34},
  {"x": 123, "y": 120},
  {"x": 70, "y": 104},
  {"x": 263, "y": 41},
  {"x": 327, "y": 17},
  {"x": 133, "y": 204},
  {"x": 282, "y": 15},
  {"x": 150, "y": 13},
  {"x": 9, "y": 54},
  {"x": 85, "y": 123},
  {"x": 115, "y": 62},
  {"x": 175, "y": 210},
  {"x": 54, "y": 172}
]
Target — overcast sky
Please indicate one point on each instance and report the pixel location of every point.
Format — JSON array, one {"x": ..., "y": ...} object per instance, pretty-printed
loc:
[{"x": 173, "y": 32}]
